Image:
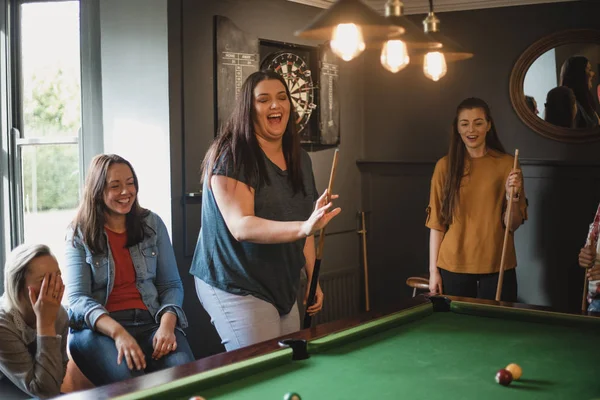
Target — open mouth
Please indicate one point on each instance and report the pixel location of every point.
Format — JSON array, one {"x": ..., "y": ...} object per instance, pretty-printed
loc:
[
  {"x": 472, "y": 137},
  {"x": 124, "y": 201},
  {"x": 274, "y": 118}
]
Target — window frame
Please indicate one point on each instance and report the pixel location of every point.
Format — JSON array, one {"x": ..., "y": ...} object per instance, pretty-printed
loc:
[{"x": 90, "y": 138}]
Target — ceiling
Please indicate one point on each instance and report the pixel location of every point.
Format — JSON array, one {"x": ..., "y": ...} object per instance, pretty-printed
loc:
[{"x": 422, "y": 6}]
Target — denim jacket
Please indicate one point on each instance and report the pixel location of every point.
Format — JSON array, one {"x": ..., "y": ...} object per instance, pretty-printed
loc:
[{"x": 89, "y": 278}]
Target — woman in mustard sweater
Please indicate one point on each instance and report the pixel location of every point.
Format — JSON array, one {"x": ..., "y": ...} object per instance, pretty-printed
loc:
[{"x": 467, "y": 209}]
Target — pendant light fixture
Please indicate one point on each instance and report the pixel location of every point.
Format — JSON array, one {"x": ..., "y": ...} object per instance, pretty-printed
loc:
[
  {"x": 350, "y": 26},
  {"x": 347, "y": 24},
  {"x": 395, "y": 52},
  {"x": 435, "y": 61}
]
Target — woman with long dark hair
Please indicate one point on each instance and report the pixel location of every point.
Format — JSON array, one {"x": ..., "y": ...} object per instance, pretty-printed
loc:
[
  {"x": 561, "y": 107},
  {"x": 123, "y": 285},
  {"x": 467, "y": 209},
  {"x": 576, "y": 73},
  {"x": 258, "y": 219}
]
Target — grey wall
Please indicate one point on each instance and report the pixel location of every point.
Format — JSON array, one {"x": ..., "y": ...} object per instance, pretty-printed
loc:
[
  {"x": 407, "y": 120},
  {"x": 192, "y": 131},
  {"x": 135, "y": 94}
]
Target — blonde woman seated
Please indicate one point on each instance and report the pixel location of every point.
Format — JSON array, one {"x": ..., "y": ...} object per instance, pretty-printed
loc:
[{"x": 33, "y": 324}]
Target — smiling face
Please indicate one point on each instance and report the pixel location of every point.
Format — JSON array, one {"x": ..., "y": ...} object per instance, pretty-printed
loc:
[
  {"x": 119, "y": 190},
  {"x": 473, "y": 127},
  {"x": 271, "y": 110},
  {"x": 589, "y": 73}
]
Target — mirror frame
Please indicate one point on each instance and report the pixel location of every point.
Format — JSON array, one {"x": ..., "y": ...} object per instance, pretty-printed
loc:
[{"x": 517, "y": 79}]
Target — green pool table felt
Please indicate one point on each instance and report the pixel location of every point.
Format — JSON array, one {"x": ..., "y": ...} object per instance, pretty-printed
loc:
[{"x": 441, "y": 355}]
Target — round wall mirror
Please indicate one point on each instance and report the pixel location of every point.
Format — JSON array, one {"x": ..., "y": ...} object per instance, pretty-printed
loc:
[{"x": 554, "y": 86}]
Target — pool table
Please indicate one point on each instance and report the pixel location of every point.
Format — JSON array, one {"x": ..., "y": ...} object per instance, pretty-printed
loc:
[{"x": 428, "y": 348}]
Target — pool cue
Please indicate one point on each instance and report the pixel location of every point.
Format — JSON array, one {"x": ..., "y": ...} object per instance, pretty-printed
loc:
[
  {"x": 363, "y": 233},
  {"x": 319, "y": 253},
  {"x": 506, "y": 231}
]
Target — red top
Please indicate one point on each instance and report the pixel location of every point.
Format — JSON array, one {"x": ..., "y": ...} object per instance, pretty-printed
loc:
[{"x": 125, "y": 295}]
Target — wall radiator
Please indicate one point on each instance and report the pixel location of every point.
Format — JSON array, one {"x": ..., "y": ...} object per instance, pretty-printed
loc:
[{"x": 342, "y": 296}]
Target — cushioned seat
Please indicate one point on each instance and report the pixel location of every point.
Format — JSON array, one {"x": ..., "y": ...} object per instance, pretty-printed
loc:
[{"x": 418, "y": 283}]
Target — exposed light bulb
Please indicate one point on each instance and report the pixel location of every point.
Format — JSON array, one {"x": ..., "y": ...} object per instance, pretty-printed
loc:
[
  {"x": 347, "y": 41},
  {"x": 434, "y": 66},
  {"x": 394, "y": 55}
]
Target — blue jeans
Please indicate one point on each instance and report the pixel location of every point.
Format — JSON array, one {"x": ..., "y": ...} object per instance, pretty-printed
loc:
[
  {"x": 594, "y": 305},
  {"x": 96, "y": 354}
]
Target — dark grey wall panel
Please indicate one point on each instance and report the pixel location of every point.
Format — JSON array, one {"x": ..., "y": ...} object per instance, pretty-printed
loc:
[{"x": 395, "y": 196}]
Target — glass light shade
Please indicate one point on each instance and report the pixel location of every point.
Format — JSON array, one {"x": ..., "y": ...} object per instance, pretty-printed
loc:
[
  {"x": 394, "y": 55},
  {"x": 347, "y": 41},
  {"x": 434, "y": 65}
]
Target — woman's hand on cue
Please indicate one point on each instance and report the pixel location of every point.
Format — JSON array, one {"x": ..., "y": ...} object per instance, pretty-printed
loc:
[
  {"x": 320, "y": 216},
  {"x": 515, "y": 181},
  {"x": 318, "y": 304},
  {"x": 587, "y": 257}
]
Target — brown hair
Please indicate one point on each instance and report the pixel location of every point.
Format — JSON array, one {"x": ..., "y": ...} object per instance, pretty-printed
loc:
[
  {"x": 238, "y": 145},
  {"x": 456, "y": 157},
  {"x": 572, "y": 75},
  {"x": 90, "y": 215}
]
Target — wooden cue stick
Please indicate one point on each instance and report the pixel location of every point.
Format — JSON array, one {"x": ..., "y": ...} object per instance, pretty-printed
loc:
[
  {"x": 319, "y": 251},
  {"x": 363, "y": 233},
  {"x": 506, "y": 231}
]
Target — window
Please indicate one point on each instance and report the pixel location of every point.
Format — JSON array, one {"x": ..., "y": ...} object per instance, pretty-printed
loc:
[{"x": 47, "y": 121}]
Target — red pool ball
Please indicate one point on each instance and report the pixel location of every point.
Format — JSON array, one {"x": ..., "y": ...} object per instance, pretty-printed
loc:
[{"x": 504, "y": 377}]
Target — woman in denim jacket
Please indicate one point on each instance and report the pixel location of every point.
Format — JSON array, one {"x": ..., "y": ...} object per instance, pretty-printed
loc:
[{"x": 123, "y": 286}]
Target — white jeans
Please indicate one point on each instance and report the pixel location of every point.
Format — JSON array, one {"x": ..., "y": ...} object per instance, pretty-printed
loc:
[{"x": 244, "y": 320}]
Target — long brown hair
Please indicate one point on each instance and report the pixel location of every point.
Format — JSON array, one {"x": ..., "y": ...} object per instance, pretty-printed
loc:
[
  {"x": 456, "y": 157},
  {"x": 572, "y": 75},
  {"x": 237, "y": 141},
  {"x": 90, "y": 215}
]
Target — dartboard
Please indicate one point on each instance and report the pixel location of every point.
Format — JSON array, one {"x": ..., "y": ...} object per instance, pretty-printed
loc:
[{"x": 298, "y": 77}]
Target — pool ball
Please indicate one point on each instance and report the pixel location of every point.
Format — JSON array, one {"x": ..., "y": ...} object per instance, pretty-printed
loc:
[
  {"x": 504, "y": 377},
  {"x": 292, "y": 396},
  {"x": 197, "y": 398},
  {"x": 515, "y": 370}
]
